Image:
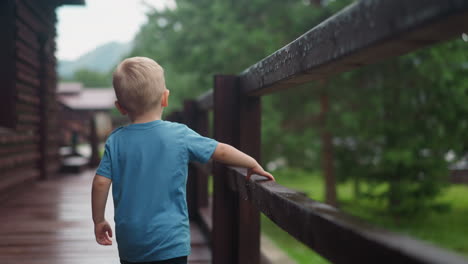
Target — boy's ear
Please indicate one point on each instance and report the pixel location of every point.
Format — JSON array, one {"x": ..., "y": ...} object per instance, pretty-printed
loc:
[
  {"x": 165, "y": 98},
  {"x": 120, "y": 108}
]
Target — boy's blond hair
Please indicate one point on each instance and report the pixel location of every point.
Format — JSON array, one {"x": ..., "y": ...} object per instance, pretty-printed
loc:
[{"x": 139, "y": 84}]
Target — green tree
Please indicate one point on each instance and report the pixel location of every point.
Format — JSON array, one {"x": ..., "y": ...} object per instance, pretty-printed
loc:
[
  {"x": 92, "y": 79},
  {"x": 198, "y": 39},
  {"x": 395, "y": 123},
  {"x": 392, "y": 123}
]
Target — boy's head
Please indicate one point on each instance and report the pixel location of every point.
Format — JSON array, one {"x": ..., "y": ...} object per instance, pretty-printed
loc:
[{"x": 139, "y": 85}]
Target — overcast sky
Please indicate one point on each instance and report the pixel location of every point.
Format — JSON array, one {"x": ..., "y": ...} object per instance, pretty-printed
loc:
[{"x": 82, "y": 28}]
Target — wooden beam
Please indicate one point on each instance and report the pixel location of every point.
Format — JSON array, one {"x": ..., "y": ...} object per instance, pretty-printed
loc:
[
  {"x": 69, "y": 2},
  {"x": 366, "y": 32},
  {"x": 332, "y": 233}
]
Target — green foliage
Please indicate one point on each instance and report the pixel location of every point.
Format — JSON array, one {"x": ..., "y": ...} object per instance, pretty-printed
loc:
[
  {"x": 392, "y": 123},
  {"x": 199, "y": 39},
  {"x": 444, "y": 229},
  {"x": 92, "y": 79},
  {"x": 299, "y": 252},
  {"x": 289, "y": 126},
  {"x": 395, "y": 123}
]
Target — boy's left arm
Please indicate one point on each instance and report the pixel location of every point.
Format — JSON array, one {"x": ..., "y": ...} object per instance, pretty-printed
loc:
[{"x": 99, "y": 193}]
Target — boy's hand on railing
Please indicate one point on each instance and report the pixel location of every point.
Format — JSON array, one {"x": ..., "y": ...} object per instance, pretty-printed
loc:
[
  {"x": 260, "y": 171},
  {"x": 103, "y": 233}
]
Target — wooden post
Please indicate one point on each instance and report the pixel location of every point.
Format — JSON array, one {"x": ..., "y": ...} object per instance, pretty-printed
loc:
[
  {"x": 236, "y": 223},
  {"x": 94, "y": 142},
  {"x": 225, "y": 202},
  {"x": 327, "y": 153},
  {"x": 202, "y": 177},
  {"x": 177, "y": 117},
  {"x": 189, "y": 119},
  {"x": 249, "y": 216}
]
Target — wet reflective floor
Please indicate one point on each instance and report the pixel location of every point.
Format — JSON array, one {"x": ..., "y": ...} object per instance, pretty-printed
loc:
[{"x": 50, "y": 223}]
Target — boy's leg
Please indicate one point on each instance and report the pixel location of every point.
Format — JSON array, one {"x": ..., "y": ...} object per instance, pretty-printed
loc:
[{"x": 179, "y": 260}]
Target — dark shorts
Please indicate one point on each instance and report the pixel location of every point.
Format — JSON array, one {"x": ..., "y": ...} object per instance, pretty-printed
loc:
[{"x": 179, "y": 260}]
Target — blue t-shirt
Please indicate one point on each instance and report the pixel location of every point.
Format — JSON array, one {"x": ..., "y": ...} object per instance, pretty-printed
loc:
[{"x": 148, "y": 164}]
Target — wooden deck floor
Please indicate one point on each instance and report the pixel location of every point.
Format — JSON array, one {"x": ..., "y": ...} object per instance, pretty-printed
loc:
[{"x": 50, "y": 223}]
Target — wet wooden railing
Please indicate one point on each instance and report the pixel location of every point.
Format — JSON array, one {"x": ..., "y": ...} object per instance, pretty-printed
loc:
[{"x": 364, "y": 33}]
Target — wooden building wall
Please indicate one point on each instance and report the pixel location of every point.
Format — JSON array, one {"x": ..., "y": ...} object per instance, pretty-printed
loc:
[
  {"x": 28, "y": 126},
  {"x": 73, "y": 121}
]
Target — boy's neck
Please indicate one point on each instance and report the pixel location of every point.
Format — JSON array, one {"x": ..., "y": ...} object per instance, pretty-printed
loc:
[{"x": 147, "y": 117}]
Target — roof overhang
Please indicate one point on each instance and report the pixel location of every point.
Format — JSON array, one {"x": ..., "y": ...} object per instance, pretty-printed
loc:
[
  {"x": 70, "y": 2},
  {"x": 89, "y": 99}
]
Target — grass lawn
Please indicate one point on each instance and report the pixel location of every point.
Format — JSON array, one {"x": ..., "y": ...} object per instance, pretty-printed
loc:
[{"x": 448, "y": 229}]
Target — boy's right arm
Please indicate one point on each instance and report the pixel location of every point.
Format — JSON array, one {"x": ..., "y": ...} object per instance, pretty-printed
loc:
[
  {"x": 99, "y": 193},
  {"x": 231, "y": 156}
]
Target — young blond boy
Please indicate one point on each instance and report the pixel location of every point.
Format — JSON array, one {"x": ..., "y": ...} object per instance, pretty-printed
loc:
[{"x": 146, "y": 162}]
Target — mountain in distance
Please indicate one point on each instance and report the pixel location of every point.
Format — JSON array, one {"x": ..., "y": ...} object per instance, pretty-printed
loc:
[{"x": 101, "y": 59}]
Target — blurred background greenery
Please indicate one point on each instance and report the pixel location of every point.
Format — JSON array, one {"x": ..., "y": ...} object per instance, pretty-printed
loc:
[{"x": 396, "y": 126}]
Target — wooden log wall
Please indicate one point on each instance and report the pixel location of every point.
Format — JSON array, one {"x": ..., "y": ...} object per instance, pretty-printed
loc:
[
  {"x": 29, "y": 150},
  {"x": 78, "y": 121}
]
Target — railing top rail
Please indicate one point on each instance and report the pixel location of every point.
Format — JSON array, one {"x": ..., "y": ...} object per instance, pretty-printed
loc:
[
  {"x": 330, "y": 232},
  {"x": 363, "y": 33}
]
